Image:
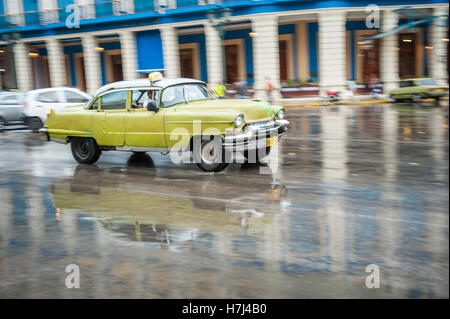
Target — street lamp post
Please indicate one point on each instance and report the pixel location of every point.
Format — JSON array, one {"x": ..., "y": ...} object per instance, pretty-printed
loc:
[{"x": 218, "y": 18}]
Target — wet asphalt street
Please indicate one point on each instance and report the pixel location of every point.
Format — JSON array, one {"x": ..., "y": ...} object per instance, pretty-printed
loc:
[{"x": 350, "y": 186}]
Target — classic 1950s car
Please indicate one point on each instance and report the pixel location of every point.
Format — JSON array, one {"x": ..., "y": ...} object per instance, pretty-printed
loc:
[
  {"x": 162, "y": 115},
  {"x": 417, "y": 89}
]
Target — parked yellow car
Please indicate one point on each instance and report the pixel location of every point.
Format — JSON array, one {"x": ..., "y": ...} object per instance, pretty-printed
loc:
[{"x": 164, "y": 115}]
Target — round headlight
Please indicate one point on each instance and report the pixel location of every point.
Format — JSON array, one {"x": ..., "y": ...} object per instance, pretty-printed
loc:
[
  {"x": 239, "y": 120},
  {"x": 281, "y": 114}
]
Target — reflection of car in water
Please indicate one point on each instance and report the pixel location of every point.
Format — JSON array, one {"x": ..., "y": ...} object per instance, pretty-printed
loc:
[{"x": 164, "y": 208}]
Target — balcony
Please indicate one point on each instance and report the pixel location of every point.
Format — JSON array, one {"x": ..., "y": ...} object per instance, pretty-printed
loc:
[{"x": 95, "y": 10}]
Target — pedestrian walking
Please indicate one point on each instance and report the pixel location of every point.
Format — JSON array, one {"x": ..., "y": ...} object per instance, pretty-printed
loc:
[
  {"x": 220, "y": 90},
  {"x": 269, "y": 89},
  {"x": 241, "y": 88}
]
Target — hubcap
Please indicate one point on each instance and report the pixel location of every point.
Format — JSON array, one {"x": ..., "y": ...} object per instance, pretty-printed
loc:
[
  {"x": 83, "y": 149},
  {"x": 209, "y": 152}
]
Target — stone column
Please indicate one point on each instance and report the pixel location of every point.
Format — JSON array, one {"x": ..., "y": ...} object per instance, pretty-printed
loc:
[
  {"x": 56, "y": 63},
  {"x": 171, "y": 52},
  {"x": 389, "y": 52},
  {"x": 266, "y": 55},
  {"x": 214, "y": 59},
  {"x": 91, "y": 63},
  {"x": 439, "y": 53},
  {"x": 129, "y": 59},
  {"x": 24, "y": 70},
  {"x": 332, "y": 50}
]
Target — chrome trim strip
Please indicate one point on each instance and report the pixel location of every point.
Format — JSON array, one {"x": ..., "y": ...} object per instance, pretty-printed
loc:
[
  {"x": 141, "y": 149},
  {"x": 58, "y": 140}
]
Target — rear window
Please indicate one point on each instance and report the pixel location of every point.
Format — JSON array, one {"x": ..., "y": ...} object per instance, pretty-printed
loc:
[
  {"x": 47, "y": 97},
  {"x": 75, "y": 97}
]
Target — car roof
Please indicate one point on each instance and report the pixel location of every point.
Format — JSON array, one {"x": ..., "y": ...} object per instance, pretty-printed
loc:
[{"x": 163, "y": 83}]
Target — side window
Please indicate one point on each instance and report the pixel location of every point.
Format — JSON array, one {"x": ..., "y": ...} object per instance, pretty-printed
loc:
[
  {"x": 74, "y": 97},
  {"x": 9, "y": 99},
  {"x": 137, "y": 98},
  {"x": 47, "y": 97},
  {"x": 172, "y": 95},
  {"x": 115, "y": 100},
  {"x": 140, "y": 98},
  {"x": 404, "y": 84}
]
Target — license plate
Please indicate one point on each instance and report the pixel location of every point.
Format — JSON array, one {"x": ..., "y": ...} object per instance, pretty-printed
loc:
[
  {"x": 439, "y": 90},
  {"x": 271, "y": 141}
]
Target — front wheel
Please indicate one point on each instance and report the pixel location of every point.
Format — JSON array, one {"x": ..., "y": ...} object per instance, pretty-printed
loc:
[
  {"x": 416, "y": 98},
  {"x": 209, "y": 155},
  {"x": 85, "y": 150}
]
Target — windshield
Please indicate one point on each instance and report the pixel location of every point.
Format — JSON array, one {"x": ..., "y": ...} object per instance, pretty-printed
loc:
[
  {"x": 427, "y": 82},
  {"x": 184, "y": 93}
]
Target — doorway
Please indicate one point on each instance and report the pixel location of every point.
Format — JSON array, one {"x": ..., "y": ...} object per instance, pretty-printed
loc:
[
  {"x": 407, "y": 55},
  {"x": 187, "y": 63},
  {"x": 231, "y": 62}
]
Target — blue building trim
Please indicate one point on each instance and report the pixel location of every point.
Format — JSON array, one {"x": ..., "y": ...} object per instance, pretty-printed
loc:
[
  {"x": 352, "y": 55},
  {"x": 189, "y": 13},
  {"x": 31, "y": 16},
  {"x": 149, "y": 50},
  {"x": 62, "y": 5},
  {"x": 313, "y": 28},
  {"x": 103, "y": 67}
]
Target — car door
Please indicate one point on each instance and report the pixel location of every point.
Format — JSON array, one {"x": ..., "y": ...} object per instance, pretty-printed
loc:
[
  {"x": 46, "y": 100},
  {"x": 114, "y": 107},
  {"x": 143, "y": 128},
  {"x": 10, "y": 107}
]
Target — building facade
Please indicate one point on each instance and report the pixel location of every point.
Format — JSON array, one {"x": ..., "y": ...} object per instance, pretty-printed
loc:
[{"x": 87, "y": 43}]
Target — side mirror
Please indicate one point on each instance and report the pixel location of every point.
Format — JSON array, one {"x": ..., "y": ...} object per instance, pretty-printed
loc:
[{"x": 151, "y": 106}]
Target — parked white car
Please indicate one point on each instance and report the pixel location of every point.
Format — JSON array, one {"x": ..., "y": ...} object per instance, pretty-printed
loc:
[
  {"x": 37, "y": 103},
  {"x": 11, "y": 108}
]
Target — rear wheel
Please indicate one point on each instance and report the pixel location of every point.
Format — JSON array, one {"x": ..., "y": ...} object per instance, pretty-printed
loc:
[
  {"x": 85, "y": 150},
  {"x": 395, "y": 99},
  {"x": 34, "y": 123},
  {"x": 209, "y": 154},
  {"x": 436, "y": 101}
]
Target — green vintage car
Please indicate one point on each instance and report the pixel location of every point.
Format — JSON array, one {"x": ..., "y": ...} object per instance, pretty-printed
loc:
[
  {"x": 417, "y": 89},
  {"x": 169, "y": 116}
]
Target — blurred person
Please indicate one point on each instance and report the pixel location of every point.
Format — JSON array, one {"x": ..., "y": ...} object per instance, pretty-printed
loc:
[
  {"x": 220, "y": 90},
  {"x": 241, "y": 88},
  {"x": 269, "y": 89},
  {"x": 375, "y": 85}
]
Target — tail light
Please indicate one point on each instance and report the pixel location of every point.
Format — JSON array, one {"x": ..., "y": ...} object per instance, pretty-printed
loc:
[{"x": 25, "y": 104}]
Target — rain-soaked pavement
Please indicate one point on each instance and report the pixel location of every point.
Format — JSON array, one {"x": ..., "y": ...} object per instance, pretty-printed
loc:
[{"x": 353, "y": 186}]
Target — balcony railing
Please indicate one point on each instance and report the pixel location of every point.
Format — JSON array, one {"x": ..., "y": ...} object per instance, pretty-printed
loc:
[{"x": 98, "y": 10}]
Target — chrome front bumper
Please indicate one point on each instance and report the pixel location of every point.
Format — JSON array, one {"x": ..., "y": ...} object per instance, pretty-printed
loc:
[{"x": 256, "y": 136}]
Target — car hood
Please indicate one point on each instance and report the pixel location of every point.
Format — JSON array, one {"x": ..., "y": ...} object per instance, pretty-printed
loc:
[{"x": 253, "y": 110}]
